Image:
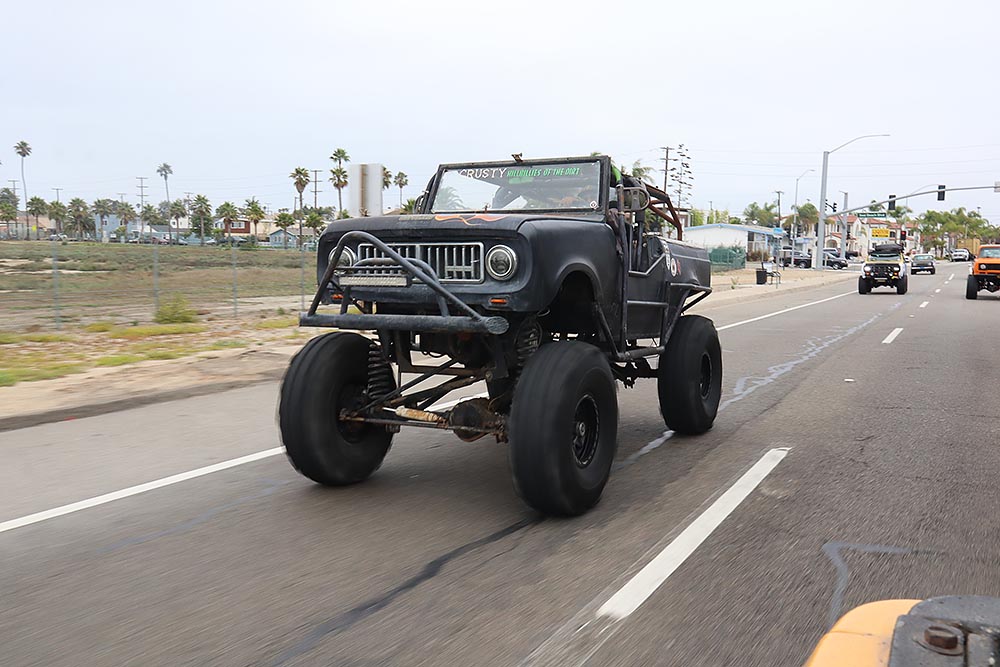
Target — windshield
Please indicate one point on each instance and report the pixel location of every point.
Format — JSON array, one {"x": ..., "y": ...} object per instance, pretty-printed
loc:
[
  {"x": 922, "y": 257},
  {"x": 990, "y": 253},
  {"x": 573, "y": 186},
  {"x": 882, "y": 257}
]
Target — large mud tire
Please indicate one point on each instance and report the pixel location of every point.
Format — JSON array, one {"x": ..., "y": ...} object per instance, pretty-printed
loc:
[
  {"x": 327, "y": 375},
  {"x": 563, "y": 428},
  {"x": 689, "y": 379}
]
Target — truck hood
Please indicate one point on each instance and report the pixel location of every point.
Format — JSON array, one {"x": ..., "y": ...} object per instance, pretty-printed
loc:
[{"x": 457, "y": 224}]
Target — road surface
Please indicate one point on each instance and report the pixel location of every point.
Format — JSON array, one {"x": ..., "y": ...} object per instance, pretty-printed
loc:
[{"x": 854, "y": 459}]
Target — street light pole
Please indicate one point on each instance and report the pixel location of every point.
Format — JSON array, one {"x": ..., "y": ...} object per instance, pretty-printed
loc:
[
  {"x": 821, "y": 232},
  {"x": 795, "y": 220},
  {"x": 779, "y": 193},
  {"x": 843, "y": 239}
]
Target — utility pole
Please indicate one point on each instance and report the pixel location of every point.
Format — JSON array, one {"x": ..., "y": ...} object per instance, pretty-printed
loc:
[
  {"x": 142, "y": 199},
  {"x": 711, "y": 212},
  {"x": 315, "y": 186},
  {"x": 778, "y": 255},
  {"x": 58, "y": 190},
  {"x": 843, "y": 239},
  {"x": 666, "y": 165}
]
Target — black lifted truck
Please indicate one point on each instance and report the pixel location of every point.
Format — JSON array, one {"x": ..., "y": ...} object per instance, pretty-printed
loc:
[{"x": 549, "y": 280}]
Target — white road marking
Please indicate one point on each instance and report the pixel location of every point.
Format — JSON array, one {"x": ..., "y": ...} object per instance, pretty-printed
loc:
[
  {"x": 924, "y": 304},
  {"x": 937, "y": 290},
  {"x": 951, "y": 277},
  {"x": 780, "y": 312},
  {"x": 45, "y": 515},
  {"x": 638, "y": 589},
  {"x": 892, "y": 336}
]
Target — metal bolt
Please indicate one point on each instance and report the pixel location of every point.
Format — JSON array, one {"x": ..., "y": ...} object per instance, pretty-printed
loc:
[{"x": 940, "y": 637}]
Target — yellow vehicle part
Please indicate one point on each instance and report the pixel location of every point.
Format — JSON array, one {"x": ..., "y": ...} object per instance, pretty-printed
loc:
[{"x": 862, "y": 637}]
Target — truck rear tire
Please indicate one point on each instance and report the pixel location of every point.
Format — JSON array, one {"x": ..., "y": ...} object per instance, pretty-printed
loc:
[
  {"x": 563, "y": 428},
  {"x": 689, "y": 378},
  {"x": 971, "y": 288},
  {"x": 901, "y": 284},
  {"x": 327, "y": 375},
  {"x": 864, "y": 287}
]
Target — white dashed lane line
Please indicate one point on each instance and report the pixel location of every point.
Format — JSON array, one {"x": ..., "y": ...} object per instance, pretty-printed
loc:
[
  {"x": 924, "y": 304},
  {"x": 892, "y": 336}
]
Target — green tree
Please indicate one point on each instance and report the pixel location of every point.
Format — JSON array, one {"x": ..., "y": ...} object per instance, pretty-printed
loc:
[
  {"x": 386, "y": 179},
  {"x": 8, "y": 198},
  {"x": 338, "y": 176},
  {"x": 8, "y": 214},
  {"x": 178, "y": 210},
  {"x": 201, "y": 214},
  {"x": 37, "y": 207},
  {"x": 253, "y": 212},
  {"x": 102, "y": 209},
  {"x": 314, "y": 221},
  {"x": 410, "y": 206},
  {"x": 807, "y": 214},
  {"x": 58, "y": 214},
  {"x": 756, "y": 214},
  {"x": 23, "y": 150},
  {"x": 401, "y": 181},
  {"x": 340, "y": 156},
  {"x": 126, "y": 214},
  {"x": 697, "y": 217},
  {"x": 80, "y": 217},
  {"x": 283, "y": 221},
  {"x": 165, "y": 170},
  {"x": 638, "y": 170},
  {"x": 228, "y": 212},
  {"x": 300, "y": 178}
]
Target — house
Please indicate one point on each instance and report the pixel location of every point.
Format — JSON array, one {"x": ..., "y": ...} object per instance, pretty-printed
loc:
[
  {"x": 281, "y": 238},
  {"x": 724, "y": 235}
]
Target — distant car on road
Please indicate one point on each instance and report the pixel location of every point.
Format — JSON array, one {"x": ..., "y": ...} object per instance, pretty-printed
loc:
[
  {"x": 832, "y": 259},
  {"x": 960, "y": 255},
  {"x": 921, "y": 263},
  {"x": 803, "y": 260}
]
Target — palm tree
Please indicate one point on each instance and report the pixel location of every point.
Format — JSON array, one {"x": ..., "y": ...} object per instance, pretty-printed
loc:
[
  {"x": 8, "y": 213},
  {"x": 254, "y": 213},
  {"x": 150, "y": 216},
  {"x": 125, "y": 212},
  {"x": 24, "y": 150},
  {"x": 401, "y": 182},
  {"x": 409, "y": 207},
  {"x": 201, "y": 210},
  {"x": 165, "y": 170},
  {"x": 300, "y": 177},
  {"x": 338, "y": 177},
  {"x": 9, "y": 200},
  {"x": 102, "y": 209},
  {"x": 283, "y": 221},
  {"x": 57, "y": 213},
  {"x": 178, "y": 210},
  {"x": 228, "y": 212},
  {"x": 80, "y": 216},
  {"x": 386, "y": 179},
  {"x": 340, "y": 156},
  {"x": 37, "y": 207},
  {"x": 314, "y": 221}
]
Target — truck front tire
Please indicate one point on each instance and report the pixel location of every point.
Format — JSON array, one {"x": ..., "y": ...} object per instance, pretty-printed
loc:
[
  {"x": 689, "y": 378},
  {"x": 901, "y": 284},
  {"x": 864, "y": 287},
  {"x": 563, "y": 428},
  {"x": 327, "y": 375},
  {"x": 971, "y": 288}
]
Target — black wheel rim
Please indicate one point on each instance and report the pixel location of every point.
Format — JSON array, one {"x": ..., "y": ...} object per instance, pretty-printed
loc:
[
  {"x": 351, "y": 397},
  {"x": 586, "y": 431},
  {"x": 705, "y": 376}
]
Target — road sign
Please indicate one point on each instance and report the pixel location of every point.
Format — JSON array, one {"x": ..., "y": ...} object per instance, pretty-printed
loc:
[
  {"x": 777, "y": 230},
  {"x": 870, "y": 214},
  {"x": 880, "y": 233}
]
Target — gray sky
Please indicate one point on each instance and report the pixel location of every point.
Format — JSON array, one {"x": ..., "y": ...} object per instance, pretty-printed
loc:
[{"x": 234, "y": 95}]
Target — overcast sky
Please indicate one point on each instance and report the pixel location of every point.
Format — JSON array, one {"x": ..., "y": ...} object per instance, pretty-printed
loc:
[{"x": 234, "y": 95}]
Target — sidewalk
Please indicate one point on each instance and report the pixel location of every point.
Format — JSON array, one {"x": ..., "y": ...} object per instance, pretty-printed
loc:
[{"x": 102, "y": 390}]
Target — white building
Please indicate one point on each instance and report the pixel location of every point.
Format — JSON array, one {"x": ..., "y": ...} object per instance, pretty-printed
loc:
[{"x": 725, "y": 235}]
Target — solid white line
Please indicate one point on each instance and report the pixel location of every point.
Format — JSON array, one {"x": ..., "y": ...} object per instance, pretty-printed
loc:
[
  {"x": 649, "y": 578},
  {"x": 780, "y": 312},
  {"x": 951, "y": 277},
  {"x": 892, "y": 336},
  {"x": 924, "y": 304},
  {"x": 135, "y": 490},
  {"x": 45, "y": 515},
  {"x": 937, "y": 290}
]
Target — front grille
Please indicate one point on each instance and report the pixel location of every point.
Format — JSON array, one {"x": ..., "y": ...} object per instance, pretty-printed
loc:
[
  {"x": 452, "y": 262},
  {"x": 990, "y": 266},
  {"x": 882, "y": 270}
]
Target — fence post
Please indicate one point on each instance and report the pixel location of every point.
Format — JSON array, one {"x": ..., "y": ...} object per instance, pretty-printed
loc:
[
  {"x": 302, "y": 274},
  {"x": 156, "y": 274},
  {"x": 236, "y": 309},
  {"x": 55, "y": 281}
]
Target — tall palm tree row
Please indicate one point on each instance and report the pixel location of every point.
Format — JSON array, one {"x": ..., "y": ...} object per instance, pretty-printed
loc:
[
  {"x": 165, "y": 170},
  {"x": 201, "y": 212},
  {"x": 300, "y": 178},
  {"x": 253, "y": 212},
  {"x": 37, "y": 207},
  {"x": 228, "y": 212},
  {"x": 24, "y": 150},
  {"x": 401, "y": 181},
  {"x": 57, "y": 214}
]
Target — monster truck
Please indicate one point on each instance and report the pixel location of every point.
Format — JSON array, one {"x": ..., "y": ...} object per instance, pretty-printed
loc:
[
  {"x": 985, "y": 272},
  {"x": 885, "y": 267},
  {"x": 550, "y": 281}
]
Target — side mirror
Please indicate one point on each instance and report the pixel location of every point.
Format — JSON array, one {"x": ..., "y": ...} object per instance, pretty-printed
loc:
[
  {"x": 634, "y": 199},
  {"x": 418, "y": 206}
]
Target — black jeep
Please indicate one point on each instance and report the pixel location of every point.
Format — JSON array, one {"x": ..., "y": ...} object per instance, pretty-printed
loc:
[{"x": 548, "y": 280}]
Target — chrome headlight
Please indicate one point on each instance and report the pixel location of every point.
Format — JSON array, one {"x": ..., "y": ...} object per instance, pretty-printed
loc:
[
  {"x": 899, "y": 267},
  {"x": 347, "y": 257},
  {"x": 501, "y": 262},
  {"x": 868, "y": 269},
  {"x": 982, "y": 267}
]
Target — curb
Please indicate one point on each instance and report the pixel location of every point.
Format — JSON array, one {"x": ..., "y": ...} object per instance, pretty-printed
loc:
[
  {"x": 772, "y": 292},
  {"x": 69, "y": 413}
]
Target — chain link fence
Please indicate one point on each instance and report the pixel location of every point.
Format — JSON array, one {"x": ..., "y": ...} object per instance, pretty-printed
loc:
[{"x": 727, "y": 259}]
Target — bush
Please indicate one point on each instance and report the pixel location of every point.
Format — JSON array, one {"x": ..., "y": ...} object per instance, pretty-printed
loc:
[
  {"x": 175, "y": 311},
  {"x": 756, "y": 255}
]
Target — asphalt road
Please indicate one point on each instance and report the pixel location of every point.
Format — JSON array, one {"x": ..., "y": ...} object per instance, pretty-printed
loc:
[{"x": 879, "y": 457}]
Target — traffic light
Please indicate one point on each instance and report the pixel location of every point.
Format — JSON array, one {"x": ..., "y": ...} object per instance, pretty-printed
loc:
[
  {"x": 834, "y": 206},
  {"x": 892, "y": 202},
  {"x": 941, "y": 190},
  {"x": 902, "y": 235}
]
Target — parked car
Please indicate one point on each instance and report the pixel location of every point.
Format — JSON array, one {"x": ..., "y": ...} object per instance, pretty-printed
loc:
[
  {"x": 803, "y": 260},
  {"x": 960, "y": 255},
  {"x": 834, "y": 261},
  {"x": 922, "y": 262}
]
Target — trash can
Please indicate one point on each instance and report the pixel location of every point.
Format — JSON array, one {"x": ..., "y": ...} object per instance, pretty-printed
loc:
[{"x": 761, "y": 276}]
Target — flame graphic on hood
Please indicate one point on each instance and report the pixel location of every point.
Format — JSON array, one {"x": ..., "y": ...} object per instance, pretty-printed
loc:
[{"x": 469, "y": 219}]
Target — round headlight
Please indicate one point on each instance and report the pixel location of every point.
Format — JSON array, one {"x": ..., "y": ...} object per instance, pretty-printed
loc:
[
  {"x": 501, "y": 262},
  {"x": 868, "y": 269},
  {"x": 347, "y": 257},
  {"x": 900, "y": 267},
  {"x": 982, "y": 267}
]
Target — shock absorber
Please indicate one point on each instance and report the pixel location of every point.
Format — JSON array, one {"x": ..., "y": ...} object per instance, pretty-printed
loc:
[
  {"x": 528, "y": 338},
  {"x": 380, "y": 380}
]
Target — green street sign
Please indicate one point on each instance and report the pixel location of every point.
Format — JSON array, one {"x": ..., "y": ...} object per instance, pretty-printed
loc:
[{"x": 871, "y": 214}]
